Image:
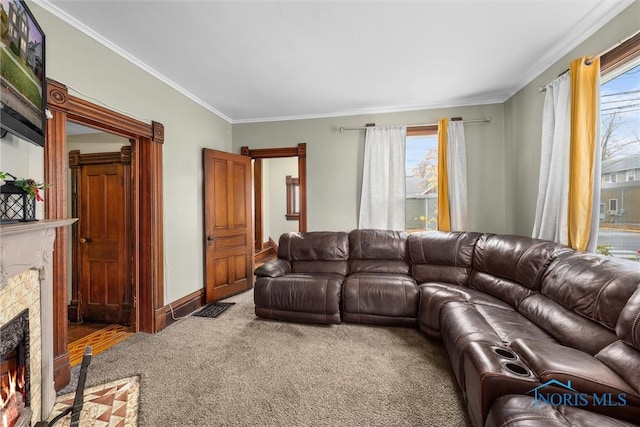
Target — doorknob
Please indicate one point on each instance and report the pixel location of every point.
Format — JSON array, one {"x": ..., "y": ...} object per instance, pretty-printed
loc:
[{"x": 84, "y": 240}]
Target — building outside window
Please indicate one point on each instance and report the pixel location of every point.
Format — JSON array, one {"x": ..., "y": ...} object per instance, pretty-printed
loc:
[{"x": 619, "y": 231}]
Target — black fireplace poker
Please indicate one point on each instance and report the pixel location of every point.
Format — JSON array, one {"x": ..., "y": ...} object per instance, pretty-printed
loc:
[{"x": 78, "y": 401}]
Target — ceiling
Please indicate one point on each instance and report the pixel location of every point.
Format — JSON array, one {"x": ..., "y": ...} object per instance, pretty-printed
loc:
[{"x": 252, "y": 61}]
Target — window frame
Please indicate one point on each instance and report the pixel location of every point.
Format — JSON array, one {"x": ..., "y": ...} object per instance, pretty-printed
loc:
[
  {"x": 293, "y": 188},
  {"x": 620, "y": 55},
  {"x": 616, "y": 61}
]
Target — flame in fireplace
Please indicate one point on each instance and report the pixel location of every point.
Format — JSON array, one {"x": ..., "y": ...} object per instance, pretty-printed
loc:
[{"x": 11, "y": 398}]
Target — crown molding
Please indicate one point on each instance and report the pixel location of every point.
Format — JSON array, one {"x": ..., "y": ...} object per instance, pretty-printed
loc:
[
  {"x": 599, "y": 15},
  {"x": 461, "y": 102},
  {"x": 45, "y": 4},
  {"x": 593, "y": 21}
]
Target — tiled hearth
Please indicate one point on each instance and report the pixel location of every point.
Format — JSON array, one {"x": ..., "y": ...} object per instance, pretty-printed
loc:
[{"x": 25, "y": 284}]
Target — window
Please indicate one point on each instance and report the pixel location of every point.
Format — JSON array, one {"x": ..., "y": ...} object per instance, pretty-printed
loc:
[
  {"x": 620, "y": 144},
  {"x": 293, "y": 198},
  {"x": 421, "y": 193}
]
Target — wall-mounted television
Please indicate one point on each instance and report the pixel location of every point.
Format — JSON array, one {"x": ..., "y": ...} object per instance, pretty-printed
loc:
[{"x": 22, "y": 73}]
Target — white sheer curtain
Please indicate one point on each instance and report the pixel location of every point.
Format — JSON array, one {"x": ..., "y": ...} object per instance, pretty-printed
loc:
[
  {"x": 382, "y": 203},
  {"x": 553, "y": 187},
  {"x": 457, "y": 175}
]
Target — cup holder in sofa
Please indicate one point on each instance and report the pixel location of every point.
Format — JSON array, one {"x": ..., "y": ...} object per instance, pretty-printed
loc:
[
  {"x": 503, "y": 352},
  {"x": 517, "y": 369}
]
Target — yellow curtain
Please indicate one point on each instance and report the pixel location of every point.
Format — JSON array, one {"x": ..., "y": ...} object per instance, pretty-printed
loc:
[
  {"x": 584, "y": 107},
  {"x": 444, "y": 221}
]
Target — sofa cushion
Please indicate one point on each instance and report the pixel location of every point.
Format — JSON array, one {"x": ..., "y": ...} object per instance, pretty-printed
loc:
[
  {"x": 302, "y": 298},
  {"x": 624, "y": 360},
  {"x": 509, "y": 291},
  {"x": 503, "y": 264},
  {"x": 525, "y": 411},
  {"x": 566, "y": 326},
  {"x": 320, "y": 267},
  {"x": 594, "y": 286},
  {"x": 503, "y": 323},
  {"x": 390, "y": 299},
  {"x": 440, "y": 256},
  {"x": 378, "y": 251},
  {"x": 315, "y": 252},
  {"x": 433, "y": 296},
  {"x": 315, "y": 245},
  {"x": 628, "y": 326}
]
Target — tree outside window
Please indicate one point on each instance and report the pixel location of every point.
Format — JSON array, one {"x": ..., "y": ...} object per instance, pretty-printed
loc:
[{"x": 421, "y": 179}]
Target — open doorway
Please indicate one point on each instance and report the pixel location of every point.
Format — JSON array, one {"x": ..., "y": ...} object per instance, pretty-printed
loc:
[
  {"x": 300, "y": 191},
  {"x": 280, "y": 198},
  {"x": 100, "y": 292}
]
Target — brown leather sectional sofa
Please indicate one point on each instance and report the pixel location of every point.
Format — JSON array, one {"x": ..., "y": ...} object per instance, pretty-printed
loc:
[{"x": 538, "y": 334}]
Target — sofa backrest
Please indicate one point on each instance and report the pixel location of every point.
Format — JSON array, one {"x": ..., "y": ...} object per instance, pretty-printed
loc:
[
  {"x": 593, "y": 286},
  {"x": 378, "y": 251},
  {"x": 581, "y": 299},
  {"x": 511, "y": 267},
  {"x": 316, "y": 251},
  {"x": 441, "y": 256}
]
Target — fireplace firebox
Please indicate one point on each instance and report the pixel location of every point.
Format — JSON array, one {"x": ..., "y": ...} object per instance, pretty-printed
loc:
[{"x": 15, "y": 372}]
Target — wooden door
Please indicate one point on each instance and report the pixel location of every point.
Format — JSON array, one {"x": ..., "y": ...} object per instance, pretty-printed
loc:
[
  {"x": 102, "y": 236},
  {"x": 228, "y": 224}
]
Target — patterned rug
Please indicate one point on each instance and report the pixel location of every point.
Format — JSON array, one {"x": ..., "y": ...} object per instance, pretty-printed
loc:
[{"x": 114, "y": 404}]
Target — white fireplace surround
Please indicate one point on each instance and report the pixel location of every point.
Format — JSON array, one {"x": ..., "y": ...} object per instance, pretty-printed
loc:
[{"x": 25, "y": 246}]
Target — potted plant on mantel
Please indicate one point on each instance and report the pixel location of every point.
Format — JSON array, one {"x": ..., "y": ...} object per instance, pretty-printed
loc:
[{"x": 18, "y": 198}]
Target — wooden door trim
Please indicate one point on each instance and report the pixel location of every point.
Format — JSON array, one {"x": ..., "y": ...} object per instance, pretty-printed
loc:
[
  {"x": 257, "y": 203},
  {"x": 146, "y": 210},
  {"x": 299, "y": 151},
  {"x": 77, "y": 159}
]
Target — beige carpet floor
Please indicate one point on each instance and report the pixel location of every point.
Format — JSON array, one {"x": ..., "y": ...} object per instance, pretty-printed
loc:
[{"x": 238, "y": 370}]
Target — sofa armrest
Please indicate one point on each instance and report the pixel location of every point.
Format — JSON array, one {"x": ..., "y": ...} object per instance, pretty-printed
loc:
[
  {"x": 518, "y": 410},
  {"x": 551, "y": 361},
  {"x": 563, "y": 370},
  {"x": 274, "y": 268}
]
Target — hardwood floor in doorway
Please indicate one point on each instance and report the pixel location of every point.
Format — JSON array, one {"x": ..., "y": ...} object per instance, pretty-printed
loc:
[{"x": 98, "y": 335}]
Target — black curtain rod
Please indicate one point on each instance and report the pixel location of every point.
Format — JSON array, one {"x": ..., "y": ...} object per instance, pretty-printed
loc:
[{"x": 487, "y": 120}]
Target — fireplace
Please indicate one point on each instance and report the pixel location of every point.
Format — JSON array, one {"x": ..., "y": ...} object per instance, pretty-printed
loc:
[
  {"x": 26, "y": 317},
  {"x": 15, "y": 372}
]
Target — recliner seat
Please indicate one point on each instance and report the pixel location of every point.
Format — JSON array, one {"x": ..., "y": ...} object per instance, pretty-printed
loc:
[
  {"x": 378, "y": 289},
  {"x": 305, "y": 283}
]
